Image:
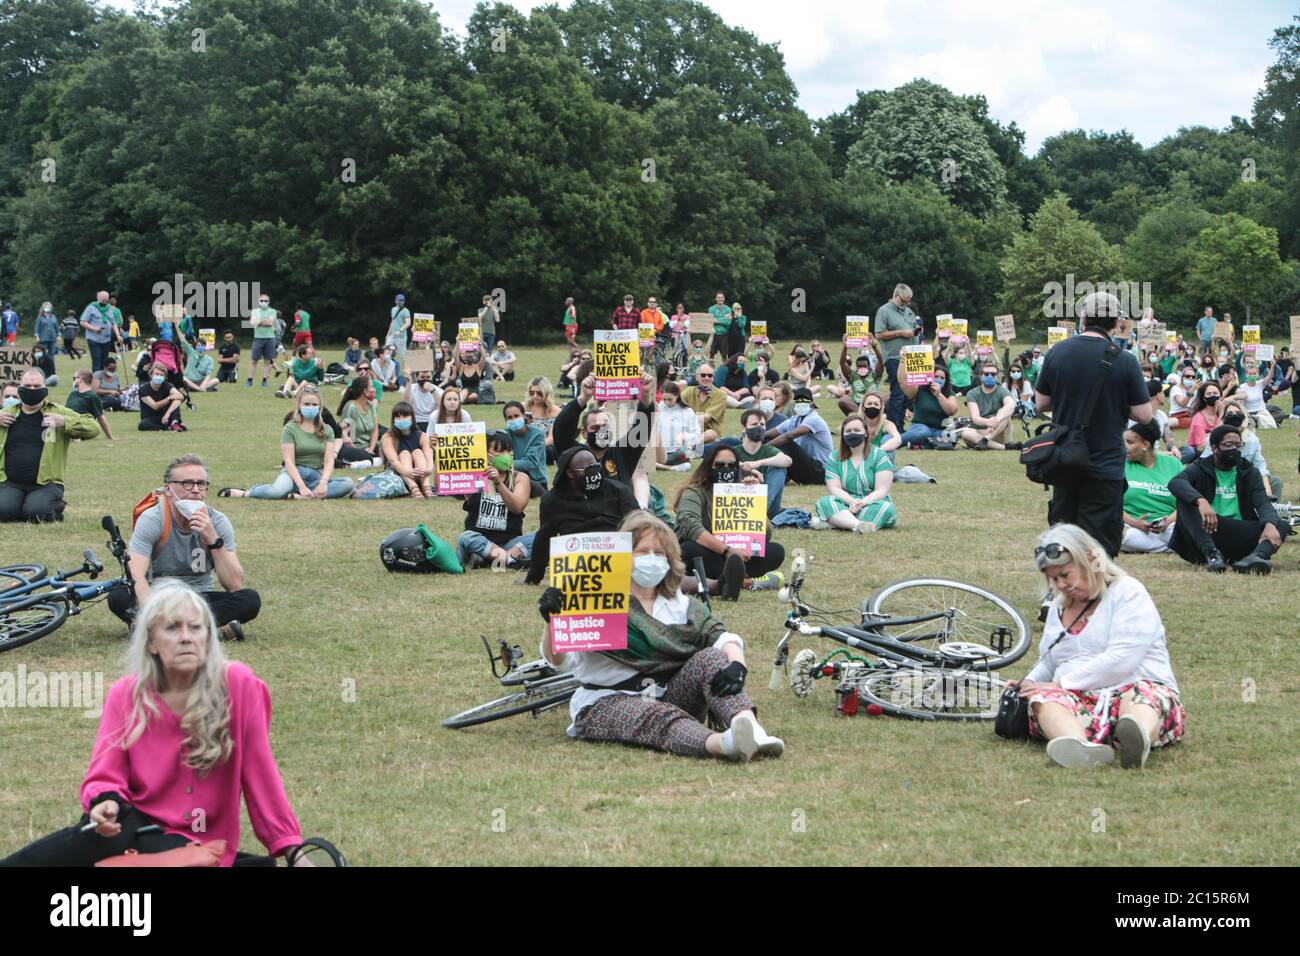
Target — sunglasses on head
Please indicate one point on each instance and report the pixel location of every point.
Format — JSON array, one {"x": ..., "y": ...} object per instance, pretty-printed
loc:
[{"x": 1051, "y": 554}]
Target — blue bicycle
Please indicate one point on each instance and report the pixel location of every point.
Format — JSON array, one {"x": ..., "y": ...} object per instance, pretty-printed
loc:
[{"x": 34, "y": 603}]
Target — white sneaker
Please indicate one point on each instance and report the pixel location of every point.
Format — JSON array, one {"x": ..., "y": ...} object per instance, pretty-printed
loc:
[
  {"x": 740, "y": 742},
  {"x": 817, "y": 524},
  {"x": 768, "y": 746},
  {"x": 1073, "y": 752},
  {"x": 864, "y": 527},
  {"x": 1134, "y": 743}
]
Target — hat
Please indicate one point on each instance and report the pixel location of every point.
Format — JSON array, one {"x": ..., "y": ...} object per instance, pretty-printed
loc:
[
  {"x": 805, "y": 395},
  {"x": 1154, "y": 388}
]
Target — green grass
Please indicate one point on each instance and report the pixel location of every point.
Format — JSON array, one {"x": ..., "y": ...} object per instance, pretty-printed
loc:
[{"x": 384, "y": 780}]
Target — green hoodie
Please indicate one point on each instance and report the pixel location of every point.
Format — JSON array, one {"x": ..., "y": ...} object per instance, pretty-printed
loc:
[{"x": 54, "y": 454}]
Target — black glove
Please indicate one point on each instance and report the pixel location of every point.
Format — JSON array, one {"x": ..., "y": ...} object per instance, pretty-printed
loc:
[
  {"x": 729, "y": 681},
  {"x": 551, "y": 602}
]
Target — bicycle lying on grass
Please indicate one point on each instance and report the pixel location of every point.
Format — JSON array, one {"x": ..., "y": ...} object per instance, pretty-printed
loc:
[
  {"x": 928, "y": 648},
  {"x": 34, "y": 603}
]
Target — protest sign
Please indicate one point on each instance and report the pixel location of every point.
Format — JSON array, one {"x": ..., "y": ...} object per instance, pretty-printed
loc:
[
  {"x": 167, "y": 312},
  {"x": 758, "y": 330},
  {"x": 418, "y": 360},
  {"x": 959, "y": 333},
  {"x": 208, "y": 337},
  {"x": 1124, "y": 328},
  {"x": 740, "y": 517},
  {"x": 1223, "y": 330},
  {"x": 1005, "y": 325},
  {"x": 857, "y": 332},
  {"x": 469, "y": 337},
  {"x": 918, "y": 364},
  {"x": 617, "y": 365},
  {"x": 1295, "y": 333},
  {"x": 13, "y": 362},
  {"x": 1057, "y": 334},
  {"x": 701, "y": 323},
  {"x": 424, "y": 329},
  {"x": 1067, "y": 324},
  {"x": 594, "y": 573},
  {"x": 943, "y": 325},
  {"x": 461, "y": 450},
  {"x": 1249, "y": 338},
  {"x": 1264, "y": 352},
  {"x": 646, "y": 334},
  {"x": 984, "y": 342},
  {"x": 1171, "y": 338}
]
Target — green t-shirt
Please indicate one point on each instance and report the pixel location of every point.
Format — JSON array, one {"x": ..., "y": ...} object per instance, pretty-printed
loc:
[
  {"x": 721, "y": 318},
  {"x": 764, "y": 452},
  {"x": 87, "y": 403},
  {"x": 305, "y": 370},
  {"x": 308, "y": 450},
  {"x": 890, "y": 318},
  {"x": 860, "y": 387},
  {"x": 859, "y": 481},
  {"x": 1148, "y": 495},
  {"x": 363, "y": 424},
  {"x": 304, "y": 324},
  {"x": 960, "y": 372},
  {"x": 1226, "y": 504},
  {"x": 1167, "y": 364},
  {"x": 927, "y": 410},
  {"x": 266, "y": 331},
  {"x": 990, "y": 403}
]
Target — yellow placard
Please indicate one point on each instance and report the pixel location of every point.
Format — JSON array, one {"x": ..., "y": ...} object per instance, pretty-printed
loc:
[
  {"x": 857, "y": 332},
  {"x": 646, "y": 334},
  {"x": 1057, "y": 334},
  {"x": 461, "y": 452},
  {"x": 758, "y": 330},
  {"x": 208, "y": 337},
  {"x": 1249, "y": 337},
  {"x": 959, "y": 332},
  {"x": 918, "y": 364},
  {"x": 1171, "y": 338},
  {"x": 593, "y": 572},
  {"x": 984, "y": 340},
  {"x": 740, "y": 516},
  {"x": 423, "y": 328},
  {"x": 468, "y": 336},
  {"x": 617, "y": 365},
  {"x": 943, "y": 325}
]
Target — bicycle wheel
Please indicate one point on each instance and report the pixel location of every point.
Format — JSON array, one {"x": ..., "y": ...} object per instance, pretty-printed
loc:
[
  {"x": 932, "y": 693},
  {"x": 534, "y": 700},
  {"x": 16, "y": 575},
  {"x": 978, "y": 616},
  {"x": 29, "y": 624}
]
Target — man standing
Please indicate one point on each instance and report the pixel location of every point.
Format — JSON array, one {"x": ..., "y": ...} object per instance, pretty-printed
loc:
[
  {"x": 262, "y": 319},
  {"x": 47, "y": 329},
  {"x": 1096, "y": 502},
  {"x": 183, "y": 538},
  {"x": 720, "y": 312},
  {"x": 301, "y": 327},
  {"x": 1205, "y": 330},
  {"x": 228, "y": 359},
  {"x": 895, "y": 326},
  {"x": 97, "y": 320},
  {"x": 626, "y": 316},
  {"x": 1223, "y": 510},
  {"x": 806, "y": 438},
  {"x": 488, "y": 317},
  {"x": 31, "y": 468},
  {"x": 399, "y": 320}
]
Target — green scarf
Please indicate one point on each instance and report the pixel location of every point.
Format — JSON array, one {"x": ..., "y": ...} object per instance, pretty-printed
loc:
[{"x": 656, "y": 649}]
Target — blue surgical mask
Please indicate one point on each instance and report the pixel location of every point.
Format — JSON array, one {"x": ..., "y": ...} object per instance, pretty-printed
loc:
[
  {"x": 516, "y": 424},
  {"x": 802, "y": 408},
  {"x": 11, "y": 401},
  {"x": 767, "y": 406},
  {"x": 940, "y": 382},
  {"x": 157, "y": 380},
  {"x": 402, "y": 424},
  {"x": 308, "y": 412},
  {"x": 989, "y": 380}
]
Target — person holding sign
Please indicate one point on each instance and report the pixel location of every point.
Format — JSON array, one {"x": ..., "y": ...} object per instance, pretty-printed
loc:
[
  {"x": 858, "y": 379},
  {"x": 736, "y": 568},
  {"x": 32, "y": 467},
  {"x": 494, "y": 517},
  {"x": 407, "y": 451},
  {"x": 680, "y": 666},
  {"x": 618, "y": 460},
  {"x": 585, "y": 498},
  {"x": 858, "y": 481},
  {"x": 933, "y": 403}
]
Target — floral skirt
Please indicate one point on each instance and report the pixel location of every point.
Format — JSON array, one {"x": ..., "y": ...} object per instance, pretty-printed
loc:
[{"x": 1097, "y": 715}]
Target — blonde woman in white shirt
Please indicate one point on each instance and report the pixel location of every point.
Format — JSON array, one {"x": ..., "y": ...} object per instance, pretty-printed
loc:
[
  {"x": 1103, "y": 678},
  {"x": 679, "y": 429}
]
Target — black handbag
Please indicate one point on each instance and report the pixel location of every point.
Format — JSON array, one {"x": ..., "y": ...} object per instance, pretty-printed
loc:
[
  {"x": 1058, "y": 454},
  {"x": 1012, "y": 721}
]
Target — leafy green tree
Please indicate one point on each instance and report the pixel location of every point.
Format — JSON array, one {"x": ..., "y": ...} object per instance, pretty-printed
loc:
[
  {"x": 1159, "y": 251},
  {"x": 1090, "y": 167},
  {"x": 1234, "y": 261},
  {"x": 1276, "y": 118}
]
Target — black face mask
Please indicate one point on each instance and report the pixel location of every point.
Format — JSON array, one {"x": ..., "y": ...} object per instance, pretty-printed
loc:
[
  {"x": 31, "y": 395},
  {"x": 756, "y": 433},
  {"x": 726, "y": 474},
  {"x": 1229, "y": 458},
  {"x": 592, "y": 479},
  {"x": 871, "y": 412},
  {"x": 854, "y": 439},
  {"x": 598, "y": 437}
]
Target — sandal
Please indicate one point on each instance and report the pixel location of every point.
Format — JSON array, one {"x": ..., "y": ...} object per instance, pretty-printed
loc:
[
  {"x": 225, "y": 492},
  {"x": 415, "y": 493}
]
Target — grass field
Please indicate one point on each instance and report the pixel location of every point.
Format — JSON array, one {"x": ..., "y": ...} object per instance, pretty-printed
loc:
[{"x": 384, "y": 780}]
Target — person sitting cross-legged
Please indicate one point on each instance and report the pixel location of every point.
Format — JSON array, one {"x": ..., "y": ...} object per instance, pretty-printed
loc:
[
  {"x": 494, "y": 516},
  {"x": 1224, "y": 515},
  {"x": 990, "y": 406},
  {"x": 858, "y": 481},
  {"x": 31, "y": 468}
]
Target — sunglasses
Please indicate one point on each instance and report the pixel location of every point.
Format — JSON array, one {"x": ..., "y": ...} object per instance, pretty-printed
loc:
[{"x": 704, "y": 375}]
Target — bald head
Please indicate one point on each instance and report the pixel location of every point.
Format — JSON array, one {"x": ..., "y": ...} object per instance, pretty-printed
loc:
[{"x": 102, "y": 297}]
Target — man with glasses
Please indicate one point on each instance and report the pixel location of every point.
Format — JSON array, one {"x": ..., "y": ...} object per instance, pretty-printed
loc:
[
  {"x": 185, "y": 539},
  {"x": 1224, "y": 514},
  {"x": 626, "y": 315},
  {"x": 262, "y": 319},
  {"x": 707, "y": 402},
  {"x": 895, "y": 325}
]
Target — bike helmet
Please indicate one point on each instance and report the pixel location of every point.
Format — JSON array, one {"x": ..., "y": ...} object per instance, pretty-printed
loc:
[{"x": 417, "y": 551}]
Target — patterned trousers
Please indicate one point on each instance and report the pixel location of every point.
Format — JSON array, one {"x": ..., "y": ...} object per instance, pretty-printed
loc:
[{"x": 675, "y": 722}]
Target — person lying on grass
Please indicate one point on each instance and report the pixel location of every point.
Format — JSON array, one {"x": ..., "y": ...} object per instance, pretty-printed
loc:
[
  {"x": 681, "y": 666},
  {"x": 1103, "y": 678}
]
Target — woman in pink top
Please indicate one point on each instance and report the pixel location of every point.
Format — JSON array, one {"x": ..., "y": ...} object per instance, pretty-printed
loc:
[
  {"x": 183, "y": 736},
  {"x": 1205, "y": 418}
]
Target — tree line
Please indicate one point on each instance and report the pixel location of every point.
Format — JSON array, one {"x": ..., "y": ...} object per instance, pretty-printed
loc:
[{"x": 338, "y": 151}]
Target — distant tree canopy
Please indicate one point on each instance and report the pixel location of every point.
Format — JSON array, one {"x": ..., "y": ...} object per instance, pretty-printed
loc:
[{"x": 338, "y": 151}]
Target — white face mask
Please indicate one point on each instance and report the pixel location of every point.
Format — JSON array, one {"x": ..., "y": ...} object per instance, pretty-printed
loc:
[
  {"x": 189, "y": 507},
  {"x": 802, "y": 408},
  {"x": 767, "y": 406},
  {"x": 649, "y": 569}
]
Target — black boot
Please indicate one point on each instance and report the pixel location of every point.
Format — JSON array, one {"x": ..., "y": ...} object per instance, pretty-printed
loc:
[
  {"x": 1214, "y": 561},
  {"x": 1257, "y": 562}
]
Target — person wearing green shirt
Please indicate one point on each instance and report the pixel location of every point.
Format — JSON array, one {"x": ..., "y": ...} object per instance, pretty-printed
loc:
[
  {"x": 894, "y": 326},
  {"x": 357, "y": 415},
  {"x": 305, "y": 369},
  {"x": 721, "y": 315},
  {"x": 858, "y": 479},
  {"x": 990, "y": 407},
  {"x": 307, "y": 448},
  {"x": 1150, "y": 509},
  {"x": 301, "y": 327},
  {"x": 262, "y": 319},
  {"x": 528, "y": 445},
  {"x": 84, "y": 400},
  {"x": 31, "y": 468},
  {"x": 200, "y": 369},
  {"x": 859, "y": 379},
  {"x": 961, "y": 370}
]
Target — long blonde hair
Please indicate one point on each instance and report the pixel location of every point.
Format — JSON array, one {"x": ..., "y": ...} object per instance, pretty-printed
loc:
[
  {"x": 1099, "y": 571},
  {"x": 206, "y": 721},
  {"x": 643, "y": 522}
]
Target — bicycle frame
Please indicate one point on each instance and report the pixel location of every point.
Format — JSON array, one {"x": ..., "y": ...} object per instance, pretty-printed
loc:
[{"x": 60, "y": 587}]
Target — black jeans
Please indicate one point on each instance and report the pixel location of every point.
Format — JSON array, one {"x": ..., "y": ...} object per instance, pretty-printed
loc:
[
  {"x": 1096, "y": 506},
  {"x": 804, "y": 469},
  {"x": 896, "y": 405},
  {"x": 227, "y": 606},
  {"x": 31, "y": 502},
  {"x": 755, "y": 567},
  {"x": 227, "y": 373},
  {"x": 1234, "y": 538}
]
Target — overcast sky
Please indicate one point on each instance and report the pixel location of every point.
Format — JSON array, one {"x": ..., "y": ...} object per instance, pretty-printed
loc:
[{"x": 1149, "y": 66}]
